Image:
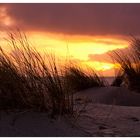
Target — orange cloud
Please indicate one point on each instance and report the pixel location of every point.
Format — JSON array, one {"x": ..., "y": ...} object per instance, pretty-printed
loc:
[{"x": 5, "y": 19}]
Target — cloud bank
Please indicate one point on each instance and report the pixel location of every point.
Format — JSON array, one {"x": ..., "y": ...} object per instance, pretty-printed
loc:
[{"x": 83, "y": 19}]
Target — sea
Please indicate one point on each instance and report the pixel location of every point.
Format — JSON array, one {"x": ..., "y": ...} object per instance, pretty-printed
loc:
[{"x": 109, "y": 80}]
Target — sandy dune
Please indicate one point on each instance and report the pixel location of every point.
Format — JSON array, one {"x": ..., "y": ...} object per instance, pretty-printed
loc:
[
  {"x": 106, "y": 111},
  {"x": 108, "y": 120},
  {"x": 111, "y": 111},
  {"x": 35, "y": 124},
  {"x": 111, "y": 95}
]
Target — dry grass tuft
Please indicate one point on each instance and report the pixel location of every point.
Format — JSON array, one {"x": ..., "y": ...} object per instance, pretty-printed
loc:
[
  {"x": 79, "y": 79},
  {"x": 130, "y": 64},
  {"x": 28, "y": 81}
]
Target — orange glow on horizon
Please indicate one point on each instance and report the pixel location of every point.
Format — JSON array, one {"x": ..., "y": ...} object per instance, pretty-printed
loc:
[
  {"x": 77, "y": 47},
  {"x": 99, "y": 66}
]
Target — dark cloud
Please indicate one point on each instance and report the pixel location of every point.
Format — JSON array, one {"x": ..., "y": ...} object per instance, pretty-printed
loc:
[{"x": 91, "y": 19}]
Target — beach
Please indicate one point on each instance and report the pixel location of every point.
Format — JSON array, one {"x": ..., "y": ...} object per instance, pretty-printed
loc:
[{"x": 97, "y": 114}]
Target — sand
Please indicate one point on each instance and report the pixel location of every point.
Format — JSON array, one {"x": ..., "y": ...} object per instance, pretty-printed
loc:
[
  {"x": 107, "y": 120},
  {"x": 110, "y": 111},
  {"x": 36, "y": 124},
  {"x": 111, "y": 95},
  {"x": 106, "y": 111}
]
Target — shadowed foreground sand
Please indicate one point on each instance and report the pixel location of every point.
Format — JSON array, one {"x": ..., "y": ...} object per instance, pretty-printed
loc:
[
  {"x": 99, "y": 116},
  {"x": 35, "y": 124},
  {"x": 108, "y": 120},
  {"x": 110, "y": 111}
]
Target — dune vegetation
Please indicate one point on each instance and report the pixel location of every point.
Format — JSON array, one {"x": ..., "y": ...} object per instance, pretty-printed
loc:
[
  {"x": 30, "y": 81},
  {"x": 80, "y": 80},
  {"x": 130, "y": 65},
  {"x": 118, "y": 79}
]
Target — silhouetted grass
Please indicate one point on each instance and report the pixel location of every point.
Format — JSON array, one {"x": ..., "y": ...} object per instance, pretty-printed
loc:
[
  {"x": 28, "y": 81},
  {"x": 79, "y": 79},
  {"x": 130, "y": 64},
  {"x": 118, "y": 79},
  {"x": 11, "y": 93}
]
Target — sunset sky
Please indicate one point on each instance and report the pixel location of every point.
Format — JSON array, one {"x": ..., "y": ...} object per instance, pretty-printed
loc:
[{"x": 87, "y": 32}]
